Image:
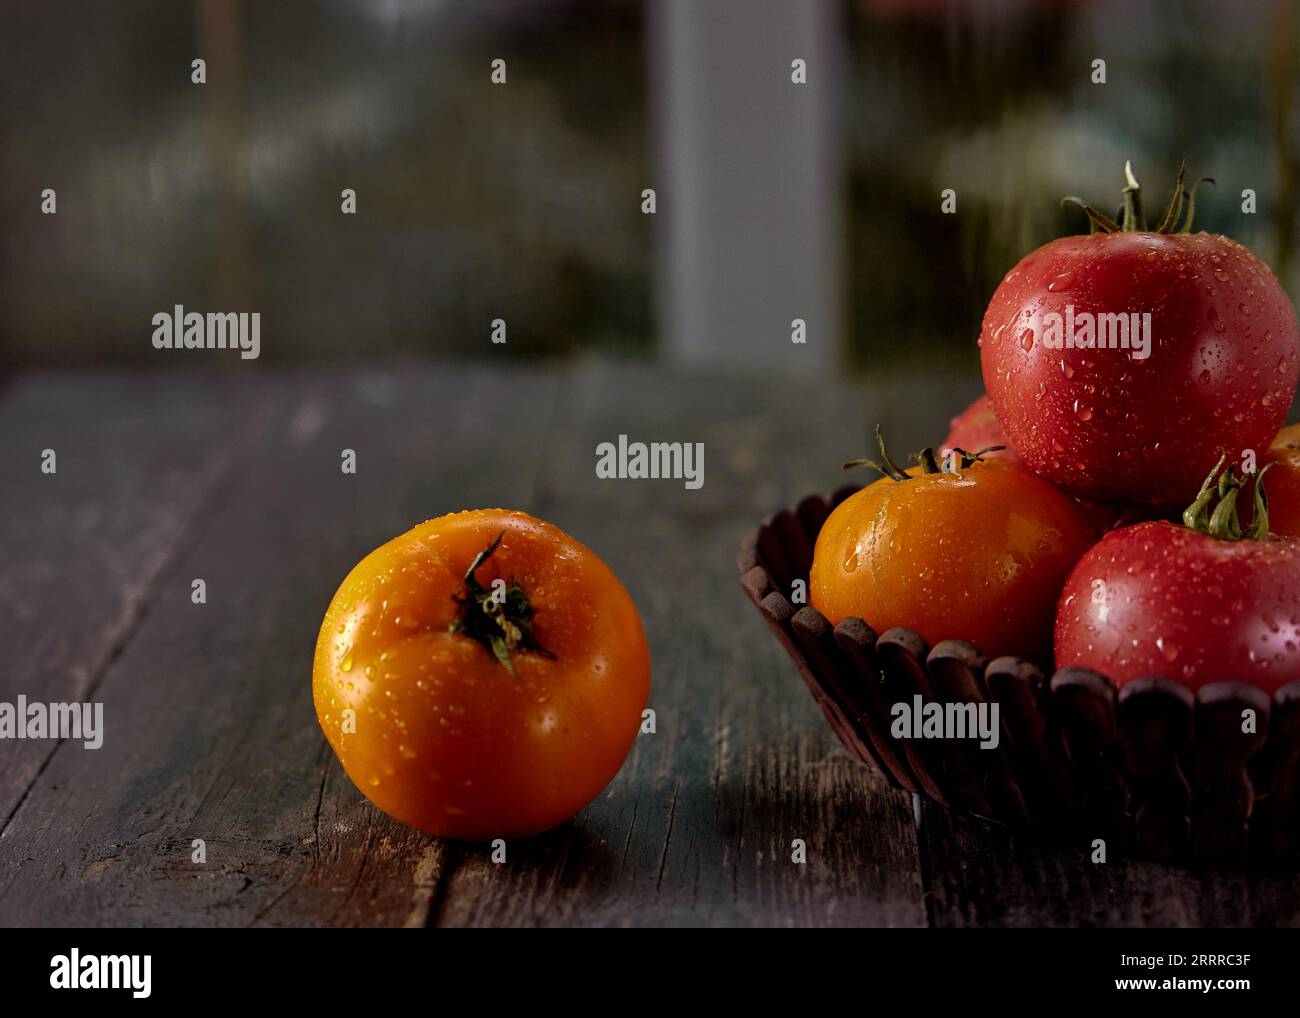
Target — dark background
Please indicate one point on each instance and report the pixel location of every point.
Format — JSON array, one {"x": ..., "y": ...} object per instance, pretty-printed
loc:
[{"x": 522, "y": 202}]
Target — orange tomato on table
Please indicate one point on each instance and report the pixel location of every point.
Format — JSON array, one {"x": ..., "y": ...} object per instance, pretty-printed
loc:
[{"x": 482, "y": 675}]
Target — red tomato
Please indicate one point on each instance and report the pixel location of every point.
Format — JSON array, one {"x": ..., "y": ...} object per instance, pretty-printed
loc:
[
  {"x": 1108, "y": 424},
  {"x": 1162, "y": 600},
  {"x": 977, "y": 428},
  {"x": 1284, "y": 482}
]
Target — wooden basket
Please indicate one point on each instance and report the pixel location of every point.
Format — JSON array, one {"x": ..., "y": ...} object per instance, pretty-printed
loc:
[{"x": 1153, "y": 769}]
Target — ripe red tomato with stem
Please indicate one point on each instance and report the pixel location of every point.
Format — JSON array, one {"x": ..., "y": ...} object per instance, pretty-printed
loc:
[
  {"x": 1110, "y": 424},
  {"x": 1200, "y": 602}
]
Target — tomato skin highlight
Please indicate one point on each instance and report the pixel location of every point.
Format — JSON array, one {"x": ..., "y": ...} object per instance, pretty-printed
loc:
[
  {"x": 1222, "y": 370},
  {"x": 446, "y": 739},
  {"x": 979, "y": 555},
  {"x": 1160, "y": 600}
]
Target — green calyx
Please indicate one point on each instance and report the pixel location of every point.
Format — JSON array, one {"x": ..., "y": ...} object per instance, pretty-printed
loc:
[
  {"x": 1214, "y": 510},
  {"x": 500, "y": 619},
  {"x": 1176, "y": 218},
  {"x": 956, "y": 460}
]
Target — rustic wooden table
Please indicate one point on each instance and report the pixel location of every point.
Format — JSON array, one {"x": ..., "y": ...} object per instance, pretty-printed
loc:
[{"x": 234, "y": 478}]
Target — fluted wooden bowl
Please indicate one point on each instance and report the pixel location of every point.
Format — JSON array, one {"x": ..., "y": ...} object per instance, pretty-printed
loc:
[{"x": 1152, "y": 768}]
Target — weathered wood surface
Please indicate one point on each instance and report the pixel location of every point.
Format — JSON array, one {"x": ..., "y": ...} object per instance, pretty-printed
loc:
[{"x": 235, "y": 478}]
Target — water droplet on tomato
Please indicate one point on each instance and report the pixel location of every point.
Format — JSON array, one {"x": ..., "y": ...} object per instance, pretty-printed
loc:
[
  {"x": 1062, "y": 282},
  {"x": 1027, "y": 340}
]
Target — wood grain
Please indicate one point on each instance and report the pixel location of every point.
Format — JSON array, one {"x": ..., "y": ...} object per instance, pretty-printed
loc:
[
  {"x": 698, "y": 827},
  {"x": 211, "y": 729},
  {"x": 979, "y": 873},
  {"x": 211, "y": 733},
  {"x": 83, "y": 546}
]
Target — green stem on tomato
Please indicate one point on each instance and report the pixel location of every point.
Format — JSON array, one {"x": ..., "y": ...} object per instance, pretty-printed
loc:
[
  {"x": 886, "y": 465},
  {"x": 1132, "y": 218},
  {"x": 1214, "y": 510},
  {"x": 926, "y": 458},
  {"x": 501, "y": 620},
  {"x": 1258, "y": 529}
]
